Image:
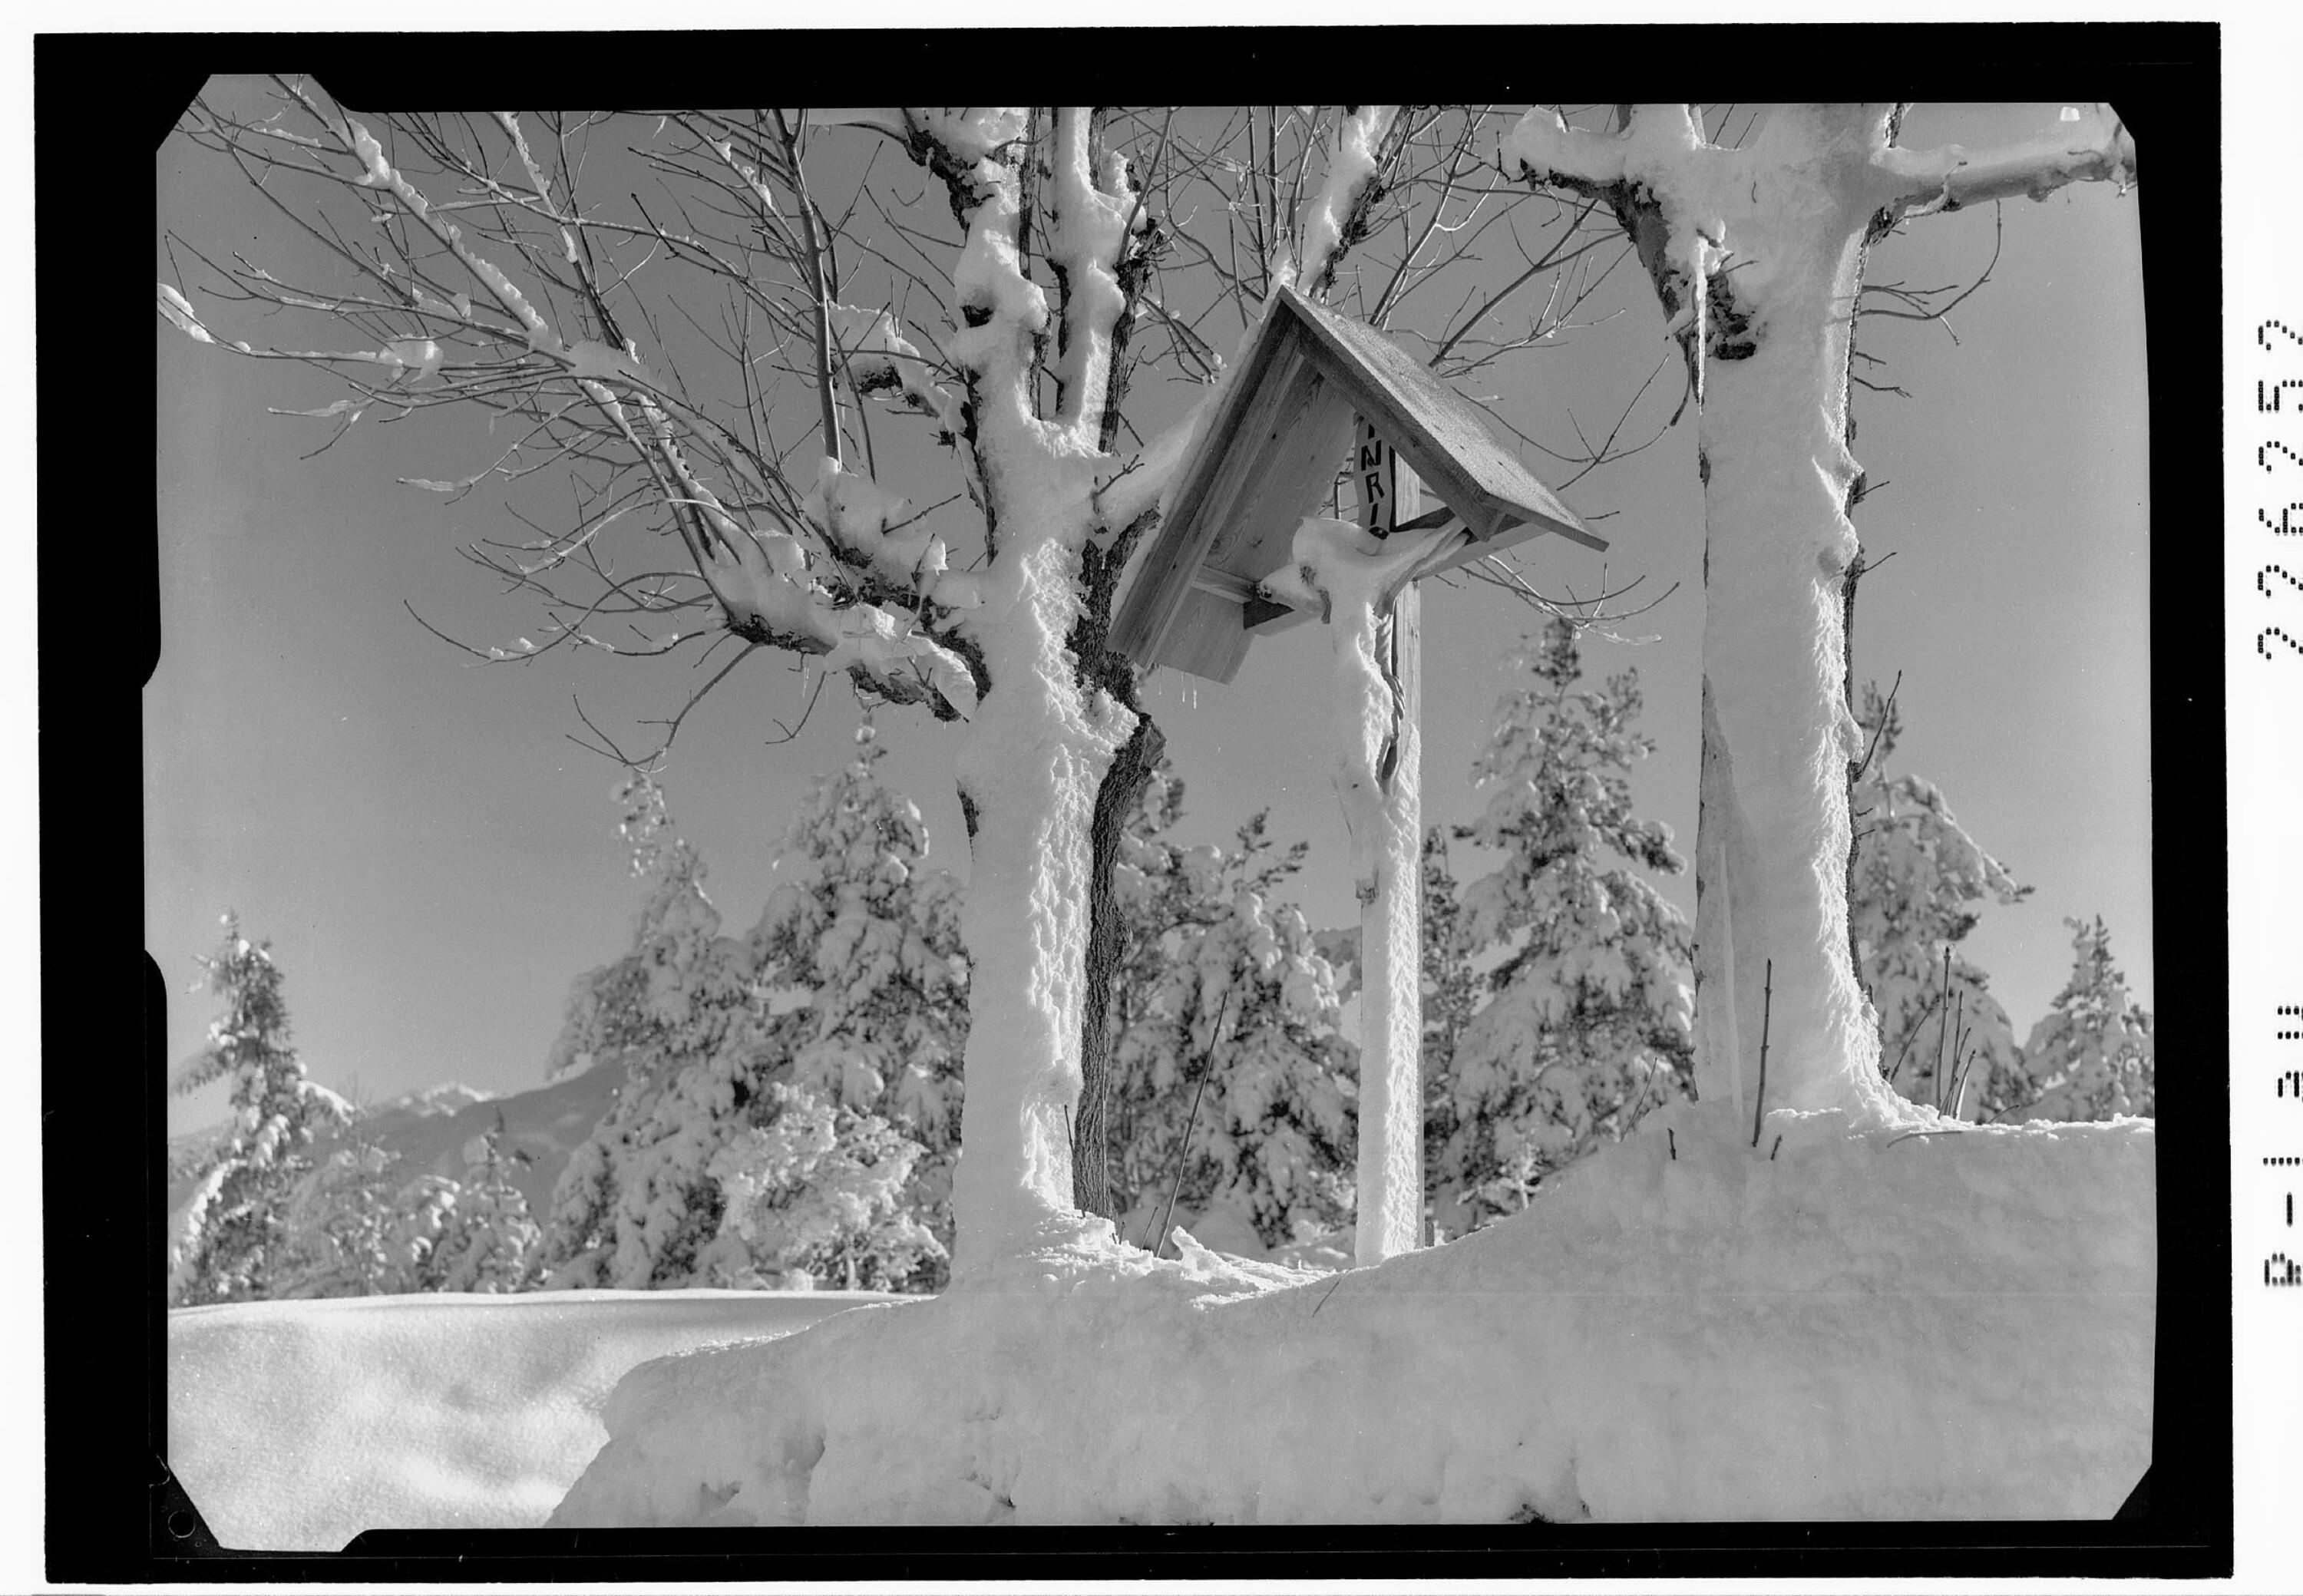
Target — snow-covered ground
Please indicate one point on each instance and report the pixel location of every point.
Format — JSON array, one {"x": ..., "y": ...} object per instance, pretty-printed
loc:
[
  {"x": 1958, "y": 1325},
  {"x": 295, "y": 1425},
  {"x": 1856, "y": 1325}
]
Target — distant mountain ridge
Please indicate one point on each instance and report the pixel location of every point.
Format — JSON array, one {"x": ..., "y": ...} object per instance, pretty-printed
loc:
[
  {"x": 428, "y": 1129},
  {"x": 449, "y": 1098}
]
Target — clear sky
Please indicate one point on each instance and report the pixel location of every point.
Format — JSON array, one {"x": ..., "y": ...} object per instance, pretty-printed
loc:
[{"x": 433, "y": 860}]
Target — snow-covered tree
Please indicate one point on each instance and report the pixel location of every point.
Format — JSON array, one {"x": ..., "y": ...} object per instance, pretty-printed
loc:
[
  {"x": 1589, "y": 1023},
  {"x": 356, "y": 1225},
  {"x": 683, "y": 1017},
  {"x": 1232, "y": 1087},
  {"x": 236, "y": 1231},
  {"x": 1757, "y": 253},
  {"x": 851, "y": 987},
  {"x": 1913, "y": 882},
  {"x": 1087, "y": 240},
  {"x": 820, "y": 1191},
  {"x": 1453, "y": 989},
  {"x": 2091, "y": 1056},
  {"x": 871, "y": 931},
  {"x": 351, "y": 1228},
  {"x": 486, "y": 1240}
]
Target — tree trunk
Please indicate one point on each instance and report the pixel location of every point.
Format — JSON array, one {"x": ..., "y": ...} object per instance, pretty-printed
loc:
[
  {"x": 1091, "y": 1150},
  {"x": 1772, "y": 831},
  {"x": 1756, "y": 254},
  {"x": 1036, "y": 753},
  {"x": 1042, "y": 734}
]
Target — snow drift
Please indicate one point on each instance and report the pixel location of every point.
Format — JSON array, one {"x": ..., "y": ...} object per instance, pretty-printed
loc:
[
  {"x": 1855, "y": 1325},
  {"x": 295, "y": 1425}
]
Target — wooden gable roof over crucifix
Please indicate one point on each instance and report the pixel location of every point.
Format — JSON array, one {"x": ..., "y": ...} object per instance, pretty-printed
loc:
[{"x": 1267, "y": 459}]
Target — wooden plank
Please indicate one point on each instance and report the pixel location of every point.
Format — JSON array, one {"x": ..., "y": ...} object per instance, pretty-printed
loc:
[
  {"x": 1442, "y": 434},
  {"x": 1204, "y": 637},
  {"x": 1183, "y": 536},
  {"x": 1287, "y": 478},
  {"x": 1264, "y": 616},
  {"x": 1268, "y": 457}
]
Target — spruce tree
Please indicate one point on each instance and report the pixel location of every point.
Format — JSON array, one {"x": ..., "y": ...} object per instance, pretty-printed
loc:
[
  {"x": 1588, "y": 1021},
  {"x": 1452, "y": 991},
  {"x": 851, "y": 988},
  {"x": 869, "y": 931},
  {"x": 1233, "y": 1088},
  {"x": 342, "y": 1229},
  {"x": 236, "y": 1232},
  {"x": 679, "y": 1016},
  {"x": 1914, "y": 882},
  {"x": 2091, "y": 1056},
  {"x": 487, "y": 1241}
]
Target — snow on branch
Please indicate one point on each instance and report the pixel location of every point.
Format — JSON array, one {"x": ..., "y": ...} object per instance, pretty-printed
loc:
[
  {"x": 1353, "y": 185},
  {"x": 1089, "y": 237},
  {"x": 2093, "y": 146},
  {"x": 1545, "y": 149},
  {"x": 179, "y": 311},
  {"x": 881, "y": 360},
  {"x": 885, "y": 118},
  {"x": 764, "y": 581},
  {"x": 381, "y": 174},
  {"x": 1001, "y": 309},
  {"x": 1140, "y": 482},
  {"x": 1643, "y": 174}
]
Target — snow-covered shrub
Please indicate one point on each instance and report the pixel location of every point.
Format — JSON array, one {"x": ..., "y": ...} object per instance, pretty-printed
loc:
[
  {"x": 2091, "y": 1057},
  {"x": 235, "y": 1233},
  {"x": 1915, "y": 879},
  {"x": 1587, "y": 1024},
  {"x": 354, "y": 1226},
  {"x": 818, "y": 1190}
]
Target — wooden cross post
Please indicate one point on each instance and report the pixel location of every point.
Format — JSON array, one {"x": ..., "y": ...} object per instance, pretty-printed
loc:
[
  {"x": 1241, "y": 551},
  {"x": 1390, "y": 1172}
]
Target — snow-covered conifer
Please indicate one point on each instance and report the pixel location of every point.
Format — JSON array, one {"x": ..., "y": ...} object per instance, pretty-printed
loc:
[
  {"x": 1452, "y": 990},
  {"x": 861, "y": 923},
  {"x": 342, "y": 1232},
  {"x": 2090, "y": 1057},
  {"x": 851, "y": 986},
  {"x": 634, "y": 1205},
  {"x": 234, "y": 1234},
  {"x": 1916, "y": 878},
  {"x": 820, "y": 1190},
  {"x": 1589, "y": 1023},
  {"x": 488, "y": 1240},
  {"x": 1223, "y": 986}
]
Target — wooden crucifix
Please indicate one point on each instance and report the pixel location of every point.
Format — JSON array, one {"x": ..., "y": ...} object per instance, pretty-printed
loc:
[
  {"x": 1360, "y": 577},
  {"x": 1241, "y": 551}
]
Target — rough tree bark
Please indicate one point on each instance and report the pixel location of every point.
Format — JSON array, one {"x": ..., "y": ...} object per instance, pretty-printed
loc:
[{"x": 1091, "y": 1142}]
